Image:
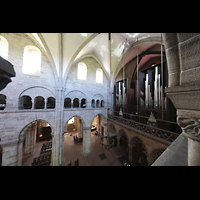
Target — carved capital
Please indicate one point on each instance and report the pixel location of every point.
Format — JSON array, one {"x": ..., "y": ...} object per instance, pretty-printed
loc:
[{"x": 190, "y": 127}]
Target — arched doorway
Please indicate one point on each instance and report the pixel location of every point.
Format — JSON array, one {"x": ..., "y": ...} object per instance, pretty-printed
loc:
[
  {"x": 73, "y": 140},
  {"x": 123, "y": 152},
  {"x": 35, "y": 144},
  {"x": 113, "y": 134},
  {"x": 98, "y": 126},
  {"x": 98, "y": 132},
  {"x": 139, "y": 153}
]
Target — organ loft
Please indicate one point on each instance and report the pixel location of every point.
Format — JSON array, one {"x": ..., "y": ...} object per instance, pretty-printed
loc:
[{"x": 99, "y": 99}]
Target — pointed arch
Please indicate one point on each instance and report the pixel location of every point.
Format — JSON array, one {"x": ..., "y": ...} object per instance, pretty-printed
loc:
[{"x": 66, "y": 122}]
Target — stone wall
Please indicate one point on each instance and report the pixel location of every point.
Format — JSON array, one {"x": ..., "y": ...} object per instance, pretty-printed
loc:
[
  {"x": 182, "y": 51},
  {"x": 15, "y": 122},
  {"x": 88, "y": 87}
]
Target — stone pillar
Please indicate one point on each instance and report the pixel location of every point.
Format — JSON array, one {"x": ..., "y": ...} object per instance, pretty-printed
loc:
[
  {"x": 193, "y": 152},
  {"x": 79, "y": 103},
  {"x": 189, "y": 121},
  {"x": 28, "y": 141},
  {"x": 130, "y": 148},
  {"x": 20, "y": 151},
  {"x": 71, "y": 103},
  {"x": 33, "y": 104},
  {"x": 86, "y": 141},
  {"x": 45, "y": 103},
  {"x": 34, "y": 135},
  {"x": 57, "y": 139},
  {"x": 10, "y": 152},
  {"x": 80, "y": 132},
  {"x": 183, "y": 90}
]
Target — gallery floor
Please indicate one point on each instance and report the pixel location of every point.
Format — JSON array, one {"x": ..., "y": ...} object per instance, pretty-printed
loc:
[
  {"x": 72, "y": 151},
  {"x": 100, "y": 156}
]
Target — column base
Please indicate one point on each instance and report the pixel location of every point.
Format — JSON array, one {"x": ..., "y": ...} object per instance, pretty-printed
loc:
[{"x": 87, "y": 153}]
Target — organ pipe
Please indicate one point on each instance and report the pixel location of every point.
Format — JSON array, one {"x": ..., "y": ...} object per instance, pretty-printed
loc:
[
  {"x": 121, "y": 97},
  {"x": 155, "y": 102}
]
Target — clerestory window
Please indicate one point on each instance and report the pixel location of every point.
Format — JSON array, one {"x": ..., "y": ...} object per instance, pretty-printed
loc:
[
  {"x": 99, "y": 76},
  {"x": 31, "y": 61},
  {"x": 82, "y": 71}
]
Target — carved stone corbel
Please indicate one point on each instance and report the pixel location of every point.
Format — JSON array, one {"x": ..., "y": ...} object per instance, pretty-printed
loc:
[{"x": 190, "y": 127}]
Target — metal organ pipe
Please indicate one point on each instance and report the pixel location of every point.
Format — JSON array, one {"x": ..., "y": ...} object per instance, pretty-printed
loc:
[
  {"x": 162, "y": 76},
  {"x": 156, "y": 89}
]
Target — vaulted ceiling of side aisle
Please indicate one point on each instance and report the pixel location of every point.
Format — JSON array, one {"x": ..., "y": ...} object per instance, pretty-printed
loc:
[{"x": 75, "y": 45}]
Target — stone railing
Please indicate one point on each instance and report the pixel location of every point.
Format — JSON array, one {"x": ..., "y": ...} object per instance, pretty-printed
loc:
[{"x": 152, "y": 131}]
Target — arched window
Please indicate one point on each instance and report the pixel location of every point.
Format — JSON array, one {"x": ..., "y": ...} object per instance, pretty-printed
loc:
[
  {"x": 39, "y": 102},
  {"x": 25, "y": 102},
  {"x": 97, "y": 103},
  {"x": 67, "y": 103},
  {"x": 3, "y": 48},
  {"x": 102, "y": 103},
  {"x": 76, "y": 103},
  {"x": 2, "y": 102},
  {"x": 93, "y": 103},
  {"x": 83, "y": 103},
  {"x": 31, "y": 61},
  {"x": 82, "y": 71},
  {"x": 99, "y": 76},
  {"x": 51, "y": 103}
]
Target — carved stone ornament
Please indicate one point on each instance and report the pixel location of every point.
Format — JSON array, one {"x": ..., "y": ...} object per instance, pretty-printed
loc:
[{"x": 190, "y": 127}]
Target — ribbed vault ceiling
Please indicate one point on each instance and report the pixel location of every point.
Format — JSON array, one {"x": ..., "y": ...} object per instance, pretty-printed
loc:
[{"x": 63, "y": 49}]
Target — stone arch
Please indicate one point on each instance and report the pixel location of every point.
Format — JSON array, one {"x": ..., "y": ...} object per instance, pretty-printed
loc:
[
  {"x": 104, "y": 118},
  {"x": 76, "y": 103},
  {"x": 136, "y": 139},
  {"x": 25, "y": 102},
  {"x": 37, "y": 91},
  {"x": 21, "y": 137},
  {"x": 75, "y": 94},
  {"x": 65, "y": 124},
  {"x": 41, "y": 116},
  {"x": 51, "y": 103},
  {"x": 22, "y": 132},
  {"x": 98, "y": 96},
  {"x": 122, "y": 134},
  {"x": 139, "y": 147},
  {"x": 67, "y": 102},
  {"x": 39, "y": 102}
]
